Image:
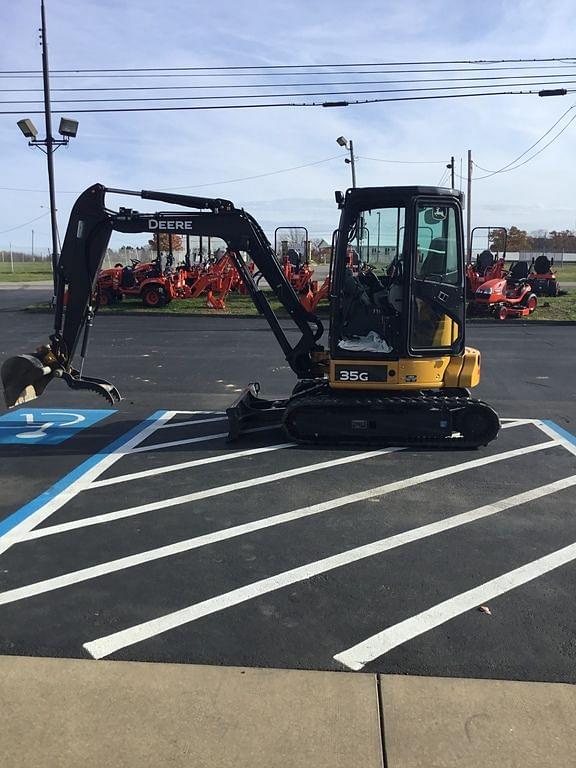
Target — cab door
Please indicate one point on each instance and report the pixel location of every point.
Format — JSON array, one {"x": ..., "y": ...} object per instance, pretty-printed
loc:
[{"x": 437, "y": 301}]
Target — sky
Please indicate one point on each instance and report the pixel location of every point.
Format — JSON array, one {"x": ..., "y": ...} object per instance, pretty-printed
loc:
[{"x": 204, "y": 151}]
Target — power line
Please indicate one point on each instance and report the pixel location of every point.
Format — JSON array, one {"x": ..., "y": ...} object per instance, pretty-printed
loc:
[
  {"x": 256, "y": 176},
  {"x": 280, "y": 95},
  {"x": 515, "y": 167},
  {"x": 441, "y": 181},
  {"x": 339, "y": 103},
  {"x": 287, "y": 74},
  {"x": 281, "y": 85},
  {"x": 403, "y": 162},
  {"x": 300, "y": 66},
  {"x": 507, "y": 167},
  {"x": 200, "y": 186},
  {"x": 4, "y": 231}
]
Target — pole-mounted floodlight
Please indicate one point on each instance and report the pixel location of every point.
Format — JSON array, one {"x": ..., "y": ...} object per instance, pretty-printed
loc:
[
  {"x": 28, "y": 128},
  {"x": 343, "y": 142},
  {"x": 68, "y": 130},
  {"x": 68, "y": 127}
]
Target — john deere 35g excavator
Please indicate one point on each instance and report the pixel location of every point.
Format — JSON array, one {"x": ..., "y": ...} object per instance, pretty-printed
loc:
[{"x": 395, "y": 369}]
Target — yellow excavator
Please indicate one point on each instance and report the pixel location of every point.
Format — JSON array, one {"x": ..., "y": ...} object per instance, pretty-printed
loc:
[{"x": 395, "y": 368}]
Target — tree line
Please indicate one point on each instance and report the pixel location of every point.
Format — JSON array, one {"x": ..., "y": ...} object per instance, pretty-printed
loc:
[{"x": 539, "y": 241}]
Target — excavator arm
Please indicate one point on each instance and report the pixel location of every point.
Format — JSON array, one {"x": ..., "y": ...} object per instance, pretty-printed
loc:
[{"x": 88, "y": 233}]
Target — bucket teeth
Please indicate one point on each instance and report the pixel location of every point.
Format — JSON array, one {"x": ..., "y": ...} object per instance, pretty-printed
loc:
[{"x": 99, "y": 386}]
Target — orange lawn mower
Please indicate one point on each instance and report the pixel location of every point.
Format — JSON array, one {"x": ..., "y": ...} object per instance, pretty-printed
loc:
[
  {"x": 508, "y": 296},
  {"x": 156, "y": 284},
  {"x": 488, "y": 265},
  {"x": 543, "y": 278}
]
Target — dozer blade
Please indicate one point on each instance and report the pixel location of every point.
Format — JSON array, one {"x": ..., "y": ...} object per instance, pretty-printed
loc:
[
  {"x": 250, "y": 413},
  {"x": 24, "y": 378}
]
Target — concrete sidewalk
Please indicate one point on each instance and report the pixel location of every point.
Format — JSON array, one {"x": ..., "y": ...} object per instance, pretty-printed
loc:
[{"x": 60, "y": 713}]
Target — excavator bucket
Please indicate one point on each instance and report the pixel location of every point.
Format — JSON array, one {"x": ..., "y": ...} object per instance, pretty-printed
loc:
[{"x": 24, "y": 378}]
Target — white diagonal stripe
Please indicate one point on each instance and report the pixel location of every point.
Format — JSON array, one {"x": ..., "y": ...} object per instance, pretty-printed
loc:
[
  {"x": 359, "y": 655},
  {"x": 112, "y": 566},
  {"x": 198, "y": 495},
  {"x": 189, "y": 464},
  {"x": 106, "y": 645}
]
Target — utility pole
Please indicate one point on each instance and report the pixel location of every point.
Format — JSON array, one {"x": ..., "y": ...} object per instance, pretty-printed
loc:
[
  {"x": 352, "y": 163},
  {"x": 32, "y": 245},
  {"x": 469, "y": 208},
  {"x": 349, "y": 145},
  {"x": 11, "y": 260},
  {"x": 68, "y": 129},
  {"x": 49, "y": 143}
]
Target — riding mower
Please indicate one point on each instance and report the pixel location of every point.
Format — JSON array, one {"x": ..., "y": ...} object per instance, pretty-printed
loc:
[
  {"x": 488, "y": 264},
  {"x": 543, "y": 278},
  {"x": 510, "y": 295}
]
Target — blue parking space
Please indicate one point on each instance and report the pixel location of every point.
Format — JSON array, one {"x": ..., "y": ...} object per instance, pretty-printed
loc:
[{"x": 46, "y": 426}]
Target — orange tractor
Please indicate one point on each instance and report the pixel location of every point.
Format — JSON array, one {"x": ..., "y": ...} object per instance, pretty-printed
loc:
[{"x": 493, "y": 290}]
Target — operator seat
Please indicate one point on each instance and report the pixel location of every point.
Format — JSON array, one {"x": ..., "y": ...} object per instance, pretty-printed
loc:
[
  {"x": 542, "y": 265},
  {"x": 484, "y": 261},
  {"x": 435, "y": 261},
  {"x": 518, "y": 273}
]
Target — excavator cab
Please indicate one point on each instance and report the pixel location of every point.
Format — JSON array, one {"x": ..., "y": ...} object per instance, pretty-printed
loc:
[
  {"x": 408, "y": 300},
  {"x": 394, "y": 369}
]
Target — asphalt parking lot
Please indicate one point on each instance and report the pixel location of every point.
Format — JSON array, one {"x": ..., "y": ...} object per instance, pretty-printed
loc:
[{"x": 173, "y": 545}]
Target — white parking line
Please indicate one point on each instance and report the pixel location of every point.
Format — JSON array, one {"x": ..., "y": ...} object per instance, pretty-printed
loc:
[
  {"x": 206, "y": 494},
  {"x": 566, "y": 440},
  {"x": 361, "y": 654},
  {"x": 175, "y": 443},
  {"x": 189, "y": 464},
  {"x": 192, "y": 422},
  {"x": 106, "y": 645},
  {"x": 113, "y": 566}
]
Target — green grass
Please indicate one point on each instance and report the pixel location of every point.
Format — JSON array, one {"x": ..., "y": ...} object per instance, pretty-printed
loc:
[
  {"x": 558, "y": 308},
  {"x": 236, "y": 304},
  {"x": 566, "y": 273},
  {"x": 25, "y": 271}
]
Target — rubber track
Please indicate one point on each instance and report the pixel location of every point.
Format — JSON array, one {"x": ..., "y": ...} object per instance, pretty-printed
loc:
[{"x": 366, "y": 404}]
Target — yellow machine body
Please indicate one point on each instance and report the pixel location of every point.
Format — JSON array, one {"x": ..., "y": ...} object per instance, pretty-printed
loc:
[{"x": 407, "y": 373}]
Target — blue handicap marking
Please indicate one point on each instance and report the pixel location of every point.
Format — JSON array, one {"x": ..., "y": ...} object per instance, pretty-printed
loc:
[{"x": 50, "y": 426}]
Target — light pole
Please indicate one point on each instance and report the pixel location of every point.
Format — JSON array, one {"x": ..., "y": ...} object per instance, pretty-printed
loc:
[
  {"x": 378, "y": 247},
  {"x": 68, "y": 129},
  {"x": 343, "y": 142}
]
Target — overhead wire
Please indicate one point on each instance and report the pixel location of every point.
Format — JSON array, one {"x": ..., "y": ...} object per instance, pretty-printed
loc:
[
  {"x": 19, "y": 226},
  {"x": 337, "y": 103},
  {"x": 288, "y": 85},
  {"x": 76, "y": 75},
  {"x": 200, "y": 186},
  {"x": 279, "y": 95},
  {"x": 303, "y": 66},
  {"x": 402, "y": 162},
  {"x": 282, "y": 85},
  {"x": 519, "y": 165},
  {"x": 507, "y": 167}
]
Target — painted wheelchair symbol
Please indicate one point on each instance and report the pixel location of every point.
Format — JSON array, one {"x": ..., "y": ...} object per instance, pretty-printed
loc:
[{"x": 39, "y": 430}]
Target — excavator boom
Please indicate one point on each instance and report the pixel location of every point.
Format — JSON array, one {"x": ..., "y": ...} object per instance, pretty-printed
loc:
[{"x": 88, "y": 233}]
